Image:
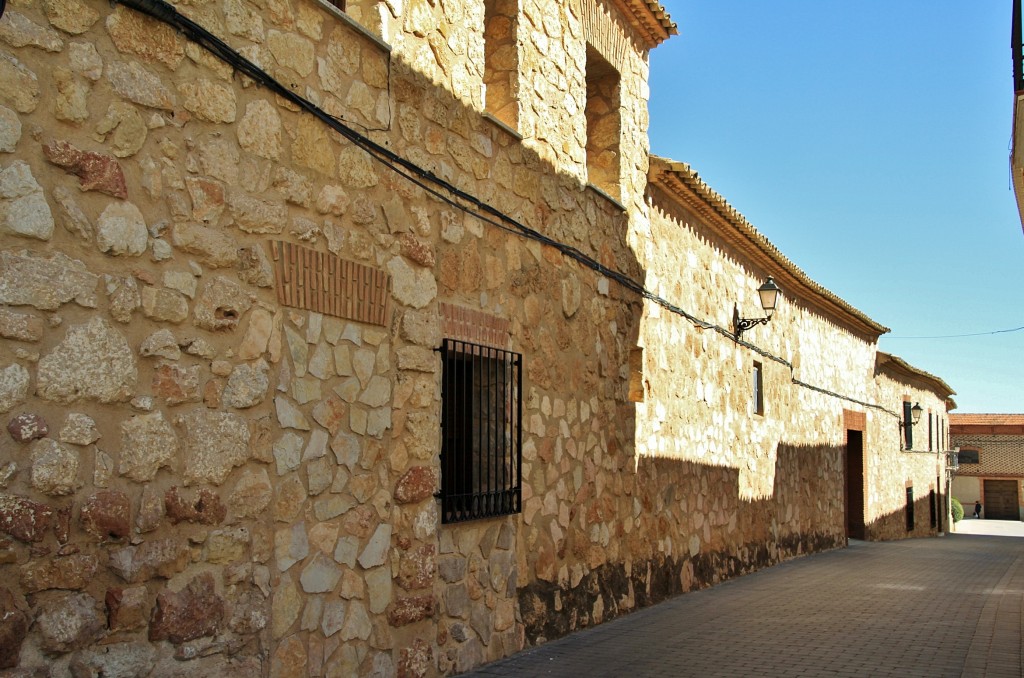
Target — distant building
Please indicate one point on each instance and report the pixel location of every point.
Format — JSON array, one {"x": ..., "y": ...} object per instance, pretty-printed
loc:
[{"x": 991, "y": 463}]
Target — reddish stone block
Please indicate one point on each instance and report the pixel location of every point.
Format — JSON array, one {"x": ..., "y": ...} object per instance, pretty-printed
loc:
[
  {"x": 417, "y": 484},
  {"x": 205, "y": 509},
  {"x": 192, "y": 613},
  {"x": 13, "y": 629},
  {"x": 24, "y": 519},
  {"x": 27, "y": 427},
  {"x": 96, "y": 172},
  {"x": 73, "y": 572},
  {"x": 409, "y": 610},
  {"x": 107, "y": 515}
]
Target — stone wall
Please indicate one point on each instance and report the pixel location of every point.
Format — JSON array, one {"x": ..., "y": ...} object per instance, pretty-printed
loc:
[
  {"x": 215, "y": 463},
  {"x": 890, "y": 470},
  {"x": 203, "y": 475}
]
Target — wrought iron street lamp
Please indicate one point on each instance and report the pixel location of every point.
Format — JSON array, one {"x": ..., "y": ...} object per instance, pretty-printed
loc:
[{"x": 769, "y": 295}]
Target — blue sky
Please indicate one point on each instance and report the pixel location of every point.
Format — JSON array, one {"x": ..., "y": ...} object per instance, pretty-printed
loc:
[{"x": 870, "y": 142}]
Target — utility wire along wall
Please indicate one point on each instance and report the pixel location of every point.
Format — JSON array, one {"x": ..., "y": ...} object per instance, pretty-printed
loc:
[{"x": 429, "y": 182}]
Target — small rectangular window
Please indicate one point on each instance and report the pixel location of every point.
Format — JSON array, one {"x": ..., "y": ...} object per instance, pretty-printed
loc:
[
  {"x": 968, "y": 457},
  {"x": 910, "y": 509},
  {"x": 930, "y": 432},
  {"x": 908, "y": 426},
  {"x": 758, "y": 389},
  {"x": 481, "y": 421}
]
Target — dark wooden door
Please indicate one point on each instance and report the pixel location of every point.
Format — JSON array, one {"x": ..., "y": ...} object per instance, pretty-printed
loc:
[
  {"x": 855, "y": 485},
  {"x": 1001, "y": 500}
]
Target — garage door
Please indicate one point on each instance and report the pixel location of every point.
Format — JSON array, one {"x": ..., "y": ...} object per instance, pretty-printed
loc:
[{"x": 1001, "y": 500}]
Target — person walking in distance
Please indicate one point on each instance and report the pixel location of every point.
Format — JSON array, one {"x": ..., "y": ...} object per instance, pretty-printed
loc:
[{"x": 977, "y": 509}]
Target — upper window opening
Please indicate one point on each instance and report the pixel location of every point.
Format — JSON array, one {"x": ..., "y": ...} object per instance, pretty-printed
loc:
[
  {"x": 758, "y": 389},
  {"x": 603, "y": 123},
  {"x": 481, "y": 420},
  {"x": 908, "y": 425},
  {"x": 969, "y": 456},
  {"x": 501, "y": 60}
]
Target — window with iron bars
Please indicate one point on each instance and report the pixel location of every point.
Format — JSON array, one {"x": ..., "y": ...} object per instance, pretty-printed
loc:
[{"x": 481, "y": 423}]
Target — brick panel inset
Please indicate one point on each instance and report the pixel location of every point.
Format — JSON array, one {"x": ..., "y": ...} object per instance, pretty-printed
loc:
[
  {"x": 325, "y": 283},
  {"x": 475, "y": 326}
]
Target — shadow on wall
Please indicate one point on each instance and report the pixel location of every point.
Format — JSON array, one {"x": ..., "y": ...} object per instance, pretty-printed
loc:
[
  {"x": 695, "y": 531},
  {"x": 896, "y": 525}
]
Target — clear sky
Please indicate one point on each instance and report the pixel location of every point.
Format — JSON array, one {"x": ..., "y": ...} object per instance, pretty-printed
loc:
[{"x": 869, "y": 141}]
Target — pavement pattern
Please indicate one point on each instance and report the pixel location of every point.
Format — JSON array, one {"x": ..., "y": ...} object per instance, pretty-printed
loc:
[{"x": 946, "y": 606}]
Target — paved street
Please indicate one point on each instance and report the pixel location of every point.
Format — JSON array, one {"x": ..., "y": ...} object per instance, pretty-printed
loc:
[{"x": 950, "y": 606}]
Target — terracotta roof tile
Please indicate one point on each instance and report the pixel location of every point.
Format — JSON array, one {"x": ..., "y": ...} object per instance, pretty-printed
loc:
[{"x": 986, "y": 419}]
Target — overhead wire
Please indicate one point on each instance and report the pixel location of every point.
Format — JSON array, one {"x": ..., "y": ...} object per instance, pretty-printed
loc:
[{"x": 431, "y": 183}]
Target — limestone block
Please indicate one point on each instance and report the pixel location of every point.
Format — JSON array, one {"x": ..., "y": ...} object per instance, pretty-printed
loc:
[
  {"x": 259, "y": 131},
  {"x": 69, "y": 622},
  {"x": 215, "y": 442},
  {"x": 131, "y": 80},
  {"x": 19, "y": 86},
  {"x": 14, "y": 383},
  {"x": 292, "y": 51},
  {"x": 123, "y": 129},
  {"x": 153, "y": 558},
  {"x": 70, "y": 16},
  {"x": 72, "y": 102},
  {"x": 83, "y": 57},
  {"x": 123, "y": 296},
  {"x": 121, "y": 229},
  {"x": 148, "y": 443},
  {"x": 17, "y": 30},
  {"x": 161, "y": 344},
  {"x": 163, "y": 304},
  {"x": 214, "y": 248},
  {"x": 54, "y": 468},
  {"x": 209, "y": 100},
  {"x": 94, "y": 362},
  {"x": 247, "y": 385},
  {"x": 23, "y": 207},
  {"x": 252, "y": 494},
  {"x": 78, "y": 429},
  {"x": 221, "y": 305},
  {"x": 151, "y": 40},
  {"x": 10, "y": 130},
  {"x": 412, "y": 287},
  {"x": 256, "y": 215},
  {"x": 121, "y": 659},
  {"x": 71, "y": 216},
  {"x": 254, "y": 266},
  {"x": 242, "y": 21}
]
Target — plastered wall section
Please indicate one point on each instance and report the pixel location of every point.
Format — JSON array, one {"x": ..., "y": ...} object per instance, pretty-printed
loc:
[{"x": 199, "y": 478}]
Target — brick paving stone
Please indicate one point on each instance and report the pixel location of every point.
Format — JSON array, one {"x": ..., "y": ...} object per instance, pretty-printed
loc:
[{"x": 950, "y": 606}]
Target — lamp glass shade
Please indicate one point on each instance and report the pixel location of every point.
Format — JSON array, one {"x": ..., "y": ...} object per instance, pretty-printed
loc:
[
  {"x": 915, "y": 412},
  {"x": 769, "y": 293}
]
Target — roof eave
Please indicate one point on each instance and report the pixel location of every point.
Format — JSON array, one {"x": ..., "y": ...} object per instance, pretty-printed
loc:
[{"x": 679, "y": 181}]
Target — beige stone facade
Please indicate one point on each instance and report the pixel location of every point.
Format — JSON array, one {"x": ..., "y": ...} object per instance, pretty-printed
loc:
[{"x": 224, "y": 316}]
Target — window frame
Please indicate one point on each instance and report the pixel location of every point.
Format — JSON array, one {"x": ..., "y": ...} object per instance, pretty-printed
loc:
[
  {"x": 959, "y": 455},
  {"x": 758, "y": 388},
  {"x": 481, "y": 431}
]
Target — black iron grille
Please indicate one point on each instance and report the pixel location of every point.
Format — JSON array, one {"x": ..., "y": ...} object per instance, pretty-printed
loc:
[{"x": 481, "y": 422}]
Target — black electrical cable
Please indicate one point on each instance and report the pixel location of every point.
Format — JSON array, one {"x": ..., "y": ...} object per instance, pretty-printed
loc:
[{"x": 166, "y": 13}]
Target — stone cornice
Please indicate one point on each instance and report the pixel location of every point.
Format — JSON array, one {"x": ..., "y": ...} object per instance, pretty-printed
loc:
[{"x": 679, "y": 182}]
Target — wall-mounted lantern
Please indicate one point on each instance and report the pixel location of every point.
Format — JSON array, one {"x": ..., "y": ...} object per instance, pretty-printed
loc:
[{"x": 769, "y": 294}]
